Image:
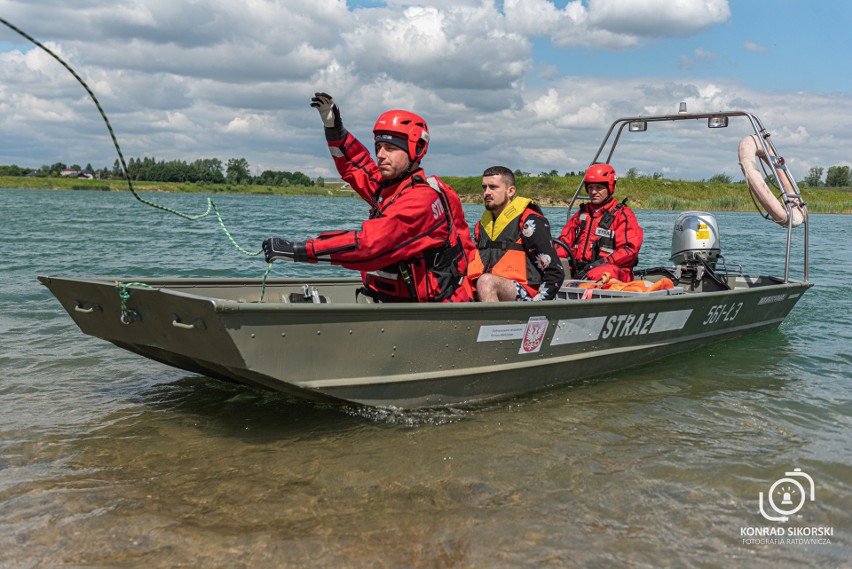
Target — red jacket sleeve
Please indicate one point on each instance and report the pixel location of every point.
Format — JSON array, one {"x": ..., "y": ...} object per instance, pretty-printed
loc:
[
  {"x": 356, "y": 166},
  {"x": 628, "y": 239},
  {"x": 568, "y": 234},
  {"x": 413, "y": 223}
]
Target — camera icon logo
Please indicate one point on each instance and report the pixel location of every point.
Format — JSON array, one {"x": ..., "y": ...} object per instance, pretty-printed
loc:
[{"x": 792, "y": 494}]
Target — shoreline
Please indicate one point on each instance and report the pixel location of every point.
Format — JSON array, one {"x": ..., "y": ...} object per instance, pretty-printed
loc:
[{"x": 642, "y": 193}]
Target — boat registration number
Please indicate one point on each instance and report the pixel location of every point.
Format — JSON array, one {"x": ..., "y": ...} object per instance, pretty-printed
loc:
[{"x": 723, "y": 313}]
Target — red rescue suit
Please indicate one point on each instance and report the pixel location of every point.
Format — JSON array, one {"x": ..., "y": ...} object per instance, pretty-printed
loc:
[
  {"x": 457, "y": 211},
  {"x": 607, "y": 237},
  {"x": 410, "y": 249}
]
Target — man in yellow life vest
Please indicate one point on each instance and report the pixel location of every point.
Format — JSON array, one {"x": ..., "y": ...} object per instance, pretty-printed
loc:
[{"x": 517, "y": 260}]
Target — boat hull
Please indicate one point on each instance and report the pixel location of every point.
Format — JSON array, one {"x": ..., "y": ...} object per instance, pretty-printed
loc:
[{"x": 408, "y": 355}]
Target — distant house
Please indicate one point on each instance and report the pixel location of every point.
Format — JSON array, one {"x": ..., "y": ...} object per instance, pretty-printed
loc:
[
  {"x": 72, "y": 173},
  {"x": 338, "y": 182}
]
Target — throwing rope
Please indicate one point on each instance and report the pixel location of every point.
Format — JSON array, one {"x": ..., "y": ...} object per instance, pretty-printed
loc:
[{"x": 211, "y": 207}]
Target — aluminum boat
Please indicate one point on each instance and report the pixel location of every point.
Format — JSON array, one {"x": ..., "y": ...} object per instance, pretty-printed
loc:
[{"x": 319, "y": 340}]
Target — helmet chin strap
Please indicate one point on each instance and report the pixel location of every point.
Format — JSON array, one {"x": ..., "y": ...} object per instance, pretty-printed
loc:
[{"x": 403, "y": 175}]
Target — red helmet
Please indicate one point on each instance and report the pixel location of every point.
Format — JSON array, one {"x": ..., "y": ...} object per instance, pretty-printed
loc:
[
  {"x": 601, "y": 174},
  {"x": 403, "y": 129}
]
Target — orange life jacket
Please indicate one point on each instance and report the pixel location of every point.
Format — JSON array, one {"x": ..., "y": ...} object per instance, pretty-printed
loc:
[{"x": 501, "y": 250}]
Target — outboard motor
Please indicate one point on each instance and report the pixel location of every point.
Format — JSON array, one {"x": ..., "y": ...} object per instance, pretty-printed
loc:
[
  {"x": 695, "y": 249},
  {"x": 695, "y": 236}
]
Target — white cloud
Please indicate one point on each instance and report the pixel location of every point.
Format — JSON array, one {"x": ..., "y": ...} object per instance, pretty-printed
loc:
[
  {"x": 755, "y": 48},
  {"x": 543, "y": 18},
  {"x": 461, "y": 47},
  {"x": 184, "y": 79},
  {"x": 175, "y": 121},
  {"x": 657, "y": 18},
  {"x": 701, "y": 58},
  {"x": 614, "y": 24}
]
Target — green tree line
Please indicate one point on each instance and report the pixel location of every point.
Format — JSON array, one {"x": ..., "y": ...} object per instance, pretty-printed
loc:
[
  {"x": 201, "y": 171},
  {"x": 236, "y": 171},
  {"x": 835, "y": 177}
]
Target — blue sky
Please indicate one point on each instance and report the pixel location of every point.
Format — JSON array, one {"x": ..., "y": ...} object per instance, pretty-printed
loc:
[
  {"x": 527, "y": 83},
  {"x": 794, "y": 45}
]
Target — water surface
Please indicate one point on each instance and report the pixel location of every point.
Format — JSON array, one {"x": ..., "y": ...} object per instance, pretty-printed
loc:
[{"x": 111, "y": 460}]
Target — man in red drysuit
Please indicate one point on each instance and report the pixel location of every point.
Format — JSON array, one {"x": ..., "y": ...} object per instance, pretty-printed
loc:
[
  {"x": 415, "y": 245},
  {"x": 603, "y": 235}
]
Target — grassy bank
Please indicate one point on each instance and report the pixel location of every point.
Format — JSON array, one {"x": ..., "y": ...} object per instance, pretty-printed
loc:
[
  {"x": 643, "y": 193},
  {"x": 121, "y": 185},
  {"x": 646, "y": 193}
]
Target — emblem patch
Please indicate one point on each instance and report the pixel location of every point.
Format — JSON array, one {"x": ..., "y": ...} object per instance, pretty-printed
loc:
[{"x": 534, "y": 335}]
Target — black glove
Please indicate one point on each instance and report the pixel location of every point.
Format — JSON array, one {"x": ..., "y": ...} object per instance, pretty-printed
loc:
[
  {"x": 584, "y": 268},
  {"x": 328, "y": 110},
  {"x": 275, "y": 249}
]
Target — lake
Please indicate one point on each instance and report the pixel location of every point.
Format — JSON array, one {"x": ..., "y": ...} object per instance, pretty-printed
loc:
[{"x": 108, "y": 459}]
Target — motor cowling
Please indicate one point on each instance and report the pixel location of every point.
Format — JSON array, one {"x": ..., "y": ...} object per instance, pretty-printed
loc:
[{"x": 695, "y": 236}]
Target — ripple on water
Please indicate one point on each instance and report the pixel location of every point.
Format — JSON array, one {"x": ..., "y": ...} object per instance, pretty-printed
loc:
[{"x": 108, "y": 459}]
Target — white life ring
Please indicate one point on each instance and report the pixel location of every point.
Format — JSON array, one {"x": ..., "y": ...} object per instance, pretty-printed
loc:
[{"x": 750, "y": 148}]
